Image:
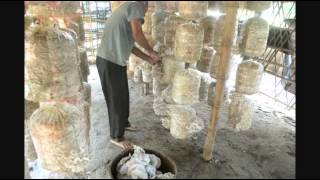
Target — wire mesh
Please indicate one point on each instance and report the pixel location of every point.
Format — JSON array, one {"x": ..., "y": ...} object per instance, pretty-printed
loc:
[
  {"x": 279, "y": 57},
  {"x": 95, "y": 13}
]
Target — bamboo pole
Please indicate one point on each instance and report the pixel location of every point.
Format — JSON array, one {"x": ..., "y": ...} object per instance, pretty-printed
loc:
[{"x": 229, "y": 27}]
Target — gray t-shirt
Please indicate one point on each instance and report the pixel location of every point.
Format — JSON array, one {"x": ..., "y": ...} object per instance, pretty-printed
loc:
[{"x": 117, "y": 41}]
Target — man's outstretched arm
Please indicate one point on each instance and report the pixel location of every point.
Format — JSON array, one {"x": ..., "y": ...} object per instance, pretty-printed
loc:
[
  {"x": 136, "y": 51},
  {"x": 139, "y": 37}
]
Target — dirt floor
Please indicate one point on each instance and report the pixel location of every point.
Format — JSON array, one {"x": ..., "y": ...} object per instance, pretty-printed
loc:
[{"x": 267, "y": 150}]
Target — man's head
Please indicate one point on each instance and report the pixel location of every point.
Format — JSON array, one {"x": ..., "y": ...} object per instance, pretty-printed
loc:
[{"x": 145, "y": 5}]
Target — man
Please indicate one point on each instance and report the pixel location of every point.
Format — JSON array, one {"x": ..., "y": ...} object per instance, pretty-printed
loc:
[{"x": 122, "y": 29}]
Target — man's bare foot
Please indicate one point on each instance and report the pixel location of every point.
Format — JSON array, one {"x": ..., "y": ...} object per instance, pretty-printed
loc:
[
  {"x": 132, "y": 128},
  {"x": 124, "y": 144}
]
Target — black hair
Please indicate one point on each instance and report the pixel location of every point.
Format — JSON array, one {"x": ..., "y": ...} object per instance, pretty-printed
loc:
[{"x": 145, "y": 3}]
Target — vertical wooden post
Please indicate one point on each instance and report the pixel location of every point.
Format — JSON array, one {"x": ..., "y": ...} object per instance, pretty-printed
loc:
[{"x": 226, "y": 46}]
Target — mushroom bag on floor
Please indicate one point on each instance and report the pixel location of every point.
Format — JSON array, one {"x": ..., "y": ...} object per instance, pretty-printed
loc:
[
  {"x": 241, "y": 110},
  {"x": 56, "y": 133},
  {"x": 183, "y": 121}
]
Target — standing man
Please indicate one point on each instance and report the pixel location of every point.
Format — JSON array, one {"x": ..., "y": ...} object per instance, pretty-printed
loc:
[{"x": 122, "y": 29}]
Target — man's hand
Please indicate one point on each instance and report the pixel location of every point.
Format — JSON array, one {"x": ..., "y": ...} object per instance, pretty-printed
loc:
[
  {"x": 155, "y": 56},
  {"x": 138, "y": 35},
  {"x": 152, "y": 61},
  {"x": 152, "y": 57}
]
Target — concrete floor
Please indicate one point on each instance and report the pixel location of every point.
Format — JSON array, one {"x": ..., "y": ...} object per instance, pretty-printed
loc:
[{"x": 267, "y": 150}]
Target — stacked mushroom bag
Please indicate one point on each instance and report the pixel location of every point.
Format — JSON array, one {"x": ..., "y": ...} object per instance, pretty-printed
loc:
[
  {"x": 60, "y": 127},
  {"x": 206, "y": 57},
  {"x": 171, "y": 24},
  {"x": 249, "y": 76},
  {"x": 172, "y": 6},
  {"x": 183, "y": 121},
  {"x": 206, "y": 80},
  {"x": 189, "y": 42},
  {"x": 135, "y": 65},
  {"x": 146, "y": 72},
  {"x": 208, "y": 24},
  {"x": 147, "y": 25},
  {"x": 29, "y": 150},
  {"x": 185, "y": 92},
  {"x": 53, "y": 68},
  {"x": 132, "y": 64},
  {"x": 160, "y": 5},
  {"x": 211, "y": 94},
  {"x": 157, "y": 31},
  {"x": 249, "y": 72},
  {"x": 219, "y": 32},
  {"x": 254, "y": 42},
  {"x": 241, "y": 108},
  {"x": 193, "y": 9},
  {"x": 84, "y": 64},
  {"x": 185, "y": 89},
  {"x": 214, "y": 66},
  {"x": 157, "y": 74},
  {"x": 170, "y": 67},
  {"x": 258, "y": 6}
]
